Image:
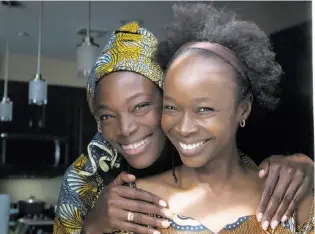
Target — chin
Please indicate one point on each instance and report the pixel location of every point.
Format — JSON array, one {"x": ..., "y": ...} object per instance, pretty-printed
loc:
[
  {"x": 141, "y": 163},
  {"x": 195, "y": 162}
]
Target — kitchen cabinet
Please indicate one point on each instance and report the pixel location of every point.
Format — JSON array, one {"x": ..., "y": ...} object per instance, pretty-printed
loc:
[{"x": 31, "y": 151}]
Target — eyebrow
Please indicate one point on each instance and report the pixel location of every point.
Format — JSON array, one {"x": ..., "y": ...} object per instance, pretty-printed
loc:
[
  {"x": 106, "y": 107},
  {"x": 197, "y": 99}
]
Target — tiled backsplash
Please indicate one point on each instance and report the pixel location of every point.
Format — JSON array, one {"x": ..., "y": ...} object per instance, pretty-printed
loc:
[{"x": 43, "y": 189}]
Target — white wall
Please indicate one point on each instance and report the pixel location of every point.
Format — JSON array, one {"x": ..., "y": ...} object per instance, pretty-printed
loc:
[{"x": 55, "y": 71}]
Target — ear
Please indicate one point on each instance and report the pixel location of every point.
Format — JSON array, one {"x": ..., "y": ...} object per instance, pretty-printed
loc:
[{"x": 245, "y": 108}]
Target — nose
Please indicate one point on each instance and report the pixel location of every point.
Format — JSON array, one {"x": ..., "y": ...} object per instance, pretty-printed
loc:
[
  {"x": 126, "y": 125},
  {"x": 186, "y": 127}
]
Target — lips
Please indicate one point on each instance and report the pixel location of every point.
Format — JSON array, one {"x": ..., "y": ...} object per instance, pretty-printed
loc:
[
  {"x": 191, "y": 149},
  {"x": 137, "y": 147},
  {"x": 192, "y": 146}
]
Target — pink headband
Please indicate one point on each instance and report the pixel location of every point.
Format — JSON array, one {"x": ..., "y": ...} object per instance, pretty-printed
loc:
[{"x": 221, "y": 51}]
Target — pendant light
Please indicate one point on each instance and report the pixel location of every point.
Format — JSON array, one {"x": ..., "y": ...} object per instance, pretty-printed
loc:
[
  {"x": 37, "y": 89},
  {"x": 87, "y": 51},
  {"x": 6, "y": 105}
]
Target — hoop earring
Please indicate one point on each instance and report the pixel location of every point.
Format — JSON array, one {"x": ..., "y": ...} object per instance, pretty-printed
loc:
[
  {"x": 242, "y": 124},
  {"x": 173, "y": 170}
]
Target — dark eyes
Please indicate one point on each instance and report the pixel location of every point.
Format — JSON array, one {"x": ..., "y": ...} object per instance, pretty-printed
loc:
[
  {"x": 205, "y": 109},
  {"x": 137, "y": 109},
  {"x": 142, "y": 105},
  {"x": 200, "y": 109},
  {"x": 105, "y": 117},
  {"x": 166, "y": 107}
]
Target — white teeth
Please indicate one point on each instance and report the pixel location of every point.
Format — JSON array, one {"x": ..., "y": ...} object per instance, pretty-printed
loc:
[
  {"x": 191, "y": 146},
  {"x": 136, "y": 144}
]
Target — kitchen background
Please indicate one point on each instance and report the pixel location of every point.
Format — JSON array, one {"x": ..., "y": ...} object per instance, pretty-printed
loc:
[{"x": 28, "y": 165}]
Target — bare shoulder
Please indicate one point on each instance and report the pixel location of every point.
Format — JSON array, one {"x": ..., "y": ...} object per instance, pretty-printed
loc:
[
  {"x": 247, "y": 190},
  {"x": 305, "y": 209},
  {"x": 160, "y": 184},
  {"x": 251, "y": 180}
]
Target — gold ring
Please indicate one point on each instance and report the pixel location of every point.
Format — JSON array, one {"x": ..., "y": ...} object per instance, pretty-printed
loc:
[{"x": 131, "y": 216}]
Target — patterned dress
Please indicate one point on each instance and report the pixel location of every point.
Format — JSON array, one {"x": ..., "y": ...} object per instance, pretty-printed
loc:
[
  {"x": 82, "y": 185},
  {"x": 246, "y": 224},
  {"x": 87, "y": 176}
]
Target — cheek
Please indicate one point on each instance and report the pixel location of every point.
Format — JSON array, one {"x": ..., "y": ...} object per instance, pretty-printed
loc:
[
  {"x": 220, "y": 126},
  {"x": 108, "y": 131},
  {"x": 152, "y": 119},
  {"x": 167, "y": 123}
]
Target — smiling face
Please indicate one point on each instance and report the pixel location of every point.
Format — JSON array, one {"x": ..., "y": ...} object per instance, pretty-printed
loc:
[
  {"x": 129, "y": 109},
  {"x": 201, "y": 111}
]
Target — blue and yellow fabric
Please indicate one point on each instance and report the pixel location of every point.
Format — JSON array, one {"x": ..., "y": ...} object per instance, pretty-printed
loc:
[{"x": 130, "y": 48}]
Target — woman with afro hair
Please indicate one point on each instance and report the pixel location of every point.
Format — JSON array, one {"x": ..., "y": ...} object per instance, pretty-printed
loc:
[{"x": 217, "y": 66}]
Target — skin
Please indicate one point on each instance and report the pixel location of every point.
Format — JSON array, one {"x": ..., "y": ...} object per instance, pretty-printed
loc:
[
  {"x": 129, "y": 118},
  {"x": 201, "y": 104},
  {"x": 213, "y": 113},
  {"x": 123, "y": 122}
]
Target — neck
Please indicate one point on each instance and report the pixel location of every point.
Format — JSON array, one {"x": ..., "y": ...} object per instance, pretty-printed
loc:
[
  {"x": 224, "y": 167},
  {"x": 163, "y": 163}
]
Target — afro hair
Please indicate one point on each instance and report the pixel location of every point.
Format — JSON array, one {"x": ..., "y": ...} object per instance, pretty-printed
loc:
[{"x": 201, "y": 21}]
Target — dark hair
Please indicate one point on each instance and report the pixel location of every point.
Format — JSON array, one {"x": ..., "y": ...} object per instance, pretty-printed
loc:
[{"x": 202, "y": 22}]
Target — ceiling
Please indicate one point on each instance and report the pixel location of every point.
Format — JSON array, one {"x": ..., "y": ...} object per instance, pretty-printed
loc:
[{"x": 63, "y": 19}]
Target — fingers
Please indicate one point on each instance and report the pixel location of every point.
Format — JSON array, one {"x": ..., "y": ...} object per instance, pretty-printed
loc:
[
  {"x": 122, "y": 178},
  {"x": 136, "y": 228},
  {"x": 275, "y": 201},
  {"x": 121, "y": 222},
  {"x": 287, "y": 199},
  {"x": 296, "y": 196},
  {"x": 144, "y": 207},
  {"x": 138, "y": 194},
  {"x": 270, "y": 184},
  {"x": 144, "y": 219},
  {"x": 264, "y": 168},
  {"x": 121, "y": 200}
]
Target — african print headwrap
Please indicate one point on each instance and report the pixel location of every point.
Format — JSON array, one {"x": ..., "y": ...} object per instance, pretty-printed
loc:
[{"x": 130, "y": 48}]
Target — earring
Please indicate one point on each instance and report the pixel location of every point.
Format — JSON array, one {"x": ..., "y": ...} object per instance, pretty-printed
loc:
[
  {"x": 173, "y": 170},
  {"x": 242, "y": 124}
]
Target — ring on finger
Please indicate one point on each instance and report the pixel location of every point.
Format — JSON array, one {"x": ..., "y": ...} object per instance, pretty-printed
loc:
[{"x": 131, "y": 216}]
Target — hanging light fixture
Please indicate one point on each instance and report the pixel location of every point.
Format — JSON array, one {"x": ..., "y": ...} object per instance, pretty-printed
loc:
[
  {"x": 87, "y": 52},
  {"x": 37, "y": 88},
  {"x": 6, "y": 105}
]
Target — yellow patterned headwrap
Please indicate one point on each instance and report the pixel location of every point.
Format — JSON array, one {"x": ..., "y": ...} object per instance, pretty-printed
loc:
[{"x": 130, "y": 48}]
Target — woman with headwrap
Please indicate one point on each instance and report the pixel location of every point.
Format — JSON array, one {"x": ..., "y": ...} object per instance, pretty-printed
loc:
[{"x": 124, "y": 95}]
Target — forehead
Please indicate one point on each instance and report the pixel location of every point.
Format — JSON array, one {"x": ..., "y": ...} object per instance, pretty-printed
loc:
[
  {"x": 199, "y": 75},
  {"x": 123, "y": 85}
]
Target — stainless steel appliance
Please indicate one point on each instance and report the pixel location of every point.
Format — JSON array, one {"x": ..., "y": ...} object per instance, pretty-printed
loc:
[
  {"x": 32, "y": 217},
  {"x": 34, "y": 226}
]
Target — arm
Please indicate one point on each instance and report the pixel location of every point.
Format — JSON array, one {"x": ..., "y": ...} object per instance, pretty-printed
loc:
[
  {"x": 77, "y": 195},
  {"x": 117, "y": 201},
  {"x": 86, "y": 206},
  {"x": 287, "y": 181}
]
